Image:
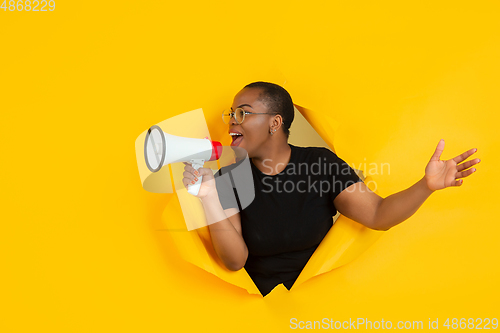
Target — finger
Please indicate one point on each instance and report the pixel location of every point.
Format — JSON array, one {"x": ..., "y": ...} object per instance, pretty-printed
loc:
[
  {"x": 439, "y": 150},
  {"x": 189, "y": 176},
  {"x": 464, "y": 156},
  {"x": 465, "y": 173},
  {"x": 467, "y": 164},
  {"x": 189, "y": 168},
  {"x": 458, "y": 182},
  {"x": 202, "y": 171},
  {"x": 187, "y": 182},
  {"x": 186, "y": 185}
]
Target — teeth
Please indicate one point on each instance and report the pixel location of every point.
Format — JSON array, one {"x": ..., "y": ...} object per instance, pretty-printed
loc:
[{"x": 233, "y": 134}]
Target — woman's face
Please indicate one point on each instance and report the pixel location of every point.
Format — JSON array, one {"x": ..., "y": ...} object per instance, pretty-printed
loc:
[{"x": 255, "y": 128}]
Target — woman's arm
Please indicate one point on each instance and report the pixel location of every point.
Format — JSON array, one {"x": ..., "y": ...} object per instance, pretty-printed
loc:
[
  {"x": 362, "y": 205},
  {"x": 399, "y": 206},
  {"x": 438, "y": 175},
  {"x": 226, "y": 236},
  {"x": 225, "y": 231}
]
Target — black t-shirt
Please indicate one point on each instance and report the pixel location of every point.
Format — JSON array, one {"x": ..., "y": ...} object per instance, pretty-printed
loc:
[{"x": 291, "y": 213}]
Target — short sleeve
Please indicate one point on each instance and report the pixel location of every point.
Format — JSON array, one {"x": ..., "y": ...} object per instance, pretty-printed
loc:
[
  {"x": 340, "y": 174},
  {"x": 225, "y": 189}
]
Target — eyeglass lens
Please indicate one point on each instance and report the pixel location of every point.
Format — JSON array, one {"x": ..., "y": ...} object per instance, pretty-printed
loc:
[{"x": 239, "y": 115}]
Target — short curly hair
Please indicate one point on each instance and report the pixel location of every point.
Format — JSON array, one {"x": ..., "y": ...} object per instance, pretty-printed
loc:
[{"x": 278, "y": 100}]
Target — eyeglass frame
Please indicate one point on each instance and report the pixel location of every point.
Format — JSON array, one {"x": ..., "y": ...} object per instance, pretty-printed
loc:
[{"x": 245, "y": 112}]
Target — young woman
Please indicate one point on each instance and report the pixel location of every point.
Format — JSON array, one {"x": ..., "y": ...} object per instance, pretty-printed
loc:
[{"x": 274, "y": 236}]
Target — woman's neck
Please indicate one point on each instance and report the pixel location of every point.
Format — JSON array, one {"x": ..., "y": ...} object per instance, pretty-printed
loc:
[{"x": 274, "y": 159}]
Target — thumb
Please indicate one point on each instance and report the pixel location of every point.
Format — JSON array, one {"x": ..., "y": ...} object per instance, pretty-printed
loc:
[{"x": 438, "y": 151}]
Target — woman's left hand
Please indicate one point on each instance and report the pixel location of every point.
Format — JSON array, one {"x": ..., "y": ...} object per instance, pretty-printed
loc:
[{"x": 441, "y": 174}]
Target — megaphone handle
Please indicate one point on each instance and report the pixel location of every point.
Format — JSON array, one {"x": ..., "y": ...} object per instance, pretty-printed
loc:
[{"x": 194, "y": 189}]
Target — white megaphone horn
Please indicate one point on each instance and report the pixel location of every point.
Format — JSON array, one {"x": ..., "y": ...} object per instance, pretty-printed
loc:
[{"x": 161, "y": 148}]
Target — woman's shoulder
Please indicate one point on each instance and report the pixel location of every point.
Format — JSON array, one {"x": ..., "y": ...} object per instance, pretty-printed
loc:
[{"x": 305, "y": 152}]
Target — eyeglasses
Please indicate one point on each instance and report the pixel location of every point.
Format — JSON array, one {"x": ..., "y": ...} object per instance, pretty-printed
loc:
[{"x": 239, "y": 115}]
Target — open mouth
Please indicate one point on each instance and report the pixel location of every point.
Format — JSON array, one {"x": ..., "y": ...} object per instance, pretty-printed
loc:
[{"x": 237, "y": 137}]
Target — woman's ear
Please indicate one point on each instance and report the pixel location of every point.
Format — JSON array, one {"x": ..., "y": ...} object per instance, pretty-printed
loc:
[{"x": 276, "y": 121}]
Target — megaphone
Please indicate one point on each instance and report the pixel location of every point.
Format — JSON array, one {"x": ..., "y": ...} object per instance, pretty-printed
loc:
[{"x": 161, "y": 148}]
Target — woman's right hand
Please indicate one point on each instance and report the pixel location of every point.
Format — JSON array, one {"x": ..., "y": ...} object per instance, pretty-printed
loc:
[{"x": 191, "y": 175}]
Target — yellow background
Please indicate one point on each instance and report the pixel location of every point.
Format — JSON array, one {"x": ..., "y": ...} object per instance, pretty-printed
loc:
[{"x": 81, "y": 245}]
